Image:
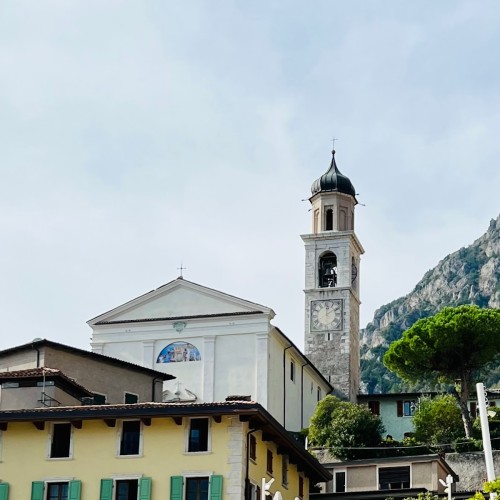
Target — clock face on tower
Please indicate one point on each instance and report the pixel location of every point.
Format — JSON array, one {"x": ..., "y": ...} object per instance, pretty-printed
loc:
[{"x": 326, "y": 315}]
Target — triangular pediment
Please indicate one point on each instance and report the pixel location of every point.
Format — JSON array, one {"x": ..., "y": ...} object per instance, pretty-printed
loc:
[{"x": 180, "y": 299}]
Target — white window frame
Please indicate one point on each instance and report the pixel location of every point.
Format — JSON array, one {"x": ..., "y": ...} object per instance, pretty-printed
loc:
[
  {"x": 194, "y": 474},
  {"x": 209, "y": 437},
  {"x": 125, "y": 477},
  {"x": 49, "y": 444},
  {"x": 334, "y": 483},
  {"x": 119, "y": 438}
]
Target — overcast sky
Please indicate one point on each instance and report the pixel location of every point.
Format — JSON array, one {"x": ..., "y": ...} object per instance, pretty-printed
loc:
[{"x": 138, "y": 135}]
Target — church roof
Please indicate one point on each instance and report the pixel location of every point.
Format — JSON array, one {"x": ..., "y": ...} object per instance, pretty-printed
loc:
[
  {"x": 180, "y": 299},
  {"x": 333, "y": 180}
]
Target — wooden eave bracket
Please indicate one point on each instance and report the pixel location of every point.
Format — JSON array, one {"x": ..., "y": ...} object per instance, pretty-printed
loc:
[
  {"x": 39, "y": 425},
  {"x": 217, "y": 418},
  {"x": 177, "y": 420},
  {"x": 110, "y": 422},
  {"x": 3, "y": 426},
  {"x": 146, "y": 421},
  {"x": 77, "y": 424}
]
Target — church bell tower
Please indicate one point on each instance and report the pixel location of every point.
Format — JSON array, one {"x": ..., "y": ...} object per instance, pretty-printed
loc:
[{"x": 332, "y": 283}]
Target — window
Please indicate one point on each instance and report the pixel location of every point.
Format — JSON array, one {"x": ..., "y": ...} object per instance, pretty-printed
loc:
[
  {"x": 130, "y": 438},
  {"x": 292, "y": 370},
  {"x": 393, "y": 478},
  {"x": 253, "y": 447},
  {"x": 374, "y": 407},
  {"x": 60, "y": 445},
  {"x": 198, "y": 435},
  {"x": 125, "y": 489},
  {"x": 130, "y": 398},
  {"x": 405, "y": 408},
  {"x": 340, "y": 481},
  {"x": 316, "y": 220},
  {"x": 57, "y": 490},
  {"x": 329, "y": 220},
  {"x": 253, "y": 492},
  {"x": 99, "y": 399},
  {"x": 284, "y": 470},
  {"x": 195, "y": 488},
  {"x": 318, "y": 393},
  {"x": 269, "y": 462}
]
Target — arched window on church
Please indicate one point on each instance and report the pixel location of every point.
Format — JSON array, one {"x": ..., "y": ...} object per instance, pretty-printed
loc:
[
  {"x": 343, "y": 219},
  {"x": 327, "y": 270},
  {"x": 329, "y": 220}
]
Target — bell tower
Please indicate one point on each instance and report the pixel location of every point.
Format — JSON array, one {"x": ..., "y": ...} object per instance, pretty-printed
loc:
[{"x": 332, "y": 283}]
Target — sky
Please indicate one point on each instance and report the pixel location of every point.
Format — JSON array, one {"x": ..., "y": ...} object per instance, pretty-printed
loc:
[{"x": 139, "y": 136}]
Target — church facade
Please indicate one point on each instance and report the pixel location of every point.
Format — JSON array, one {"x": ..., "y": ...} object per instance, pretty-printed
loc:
[{"x": 216, "y": 346}]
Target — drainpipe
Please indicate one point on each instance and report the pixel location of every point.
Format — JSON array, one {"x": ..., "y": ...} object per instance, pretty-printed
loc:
[
  {"x": 284, "y": 385},
  {"x": 247, "y": 478}
]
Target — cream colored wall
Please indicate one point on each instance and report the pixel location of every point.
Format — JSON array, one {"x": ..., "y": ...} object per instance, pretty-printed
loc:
[
  {"x": 163, "y": 455},
  {"x": 422, "y": 475},
  {"x": 19, "y": 398},
  {"x": 94, "y": 375},
  {"x": 20, "y": 360},
  {"x": 100, "y": 377},
  {"x": 257, "y": 471},
  {"x": 362, "y": 478}
]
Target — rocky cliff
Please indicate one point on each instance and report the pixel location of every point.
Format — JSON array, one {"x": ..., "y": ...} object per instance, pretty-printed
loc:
[{"x": 469, "y": 276}]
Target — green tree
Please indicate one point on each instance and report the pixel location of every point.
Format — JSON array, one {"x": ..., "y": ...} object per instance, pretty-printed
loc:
[
  {"x": 448, "y": 347},
  {"x": 438, "y": 420},
  {"x": 489, "y": 487},
  {"x": 340, "y": 425}
]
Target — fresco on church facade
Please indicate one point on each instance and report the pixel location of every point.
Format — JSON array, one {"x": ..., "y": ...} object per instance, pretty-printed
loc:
[{"x": 179, "y": 352}]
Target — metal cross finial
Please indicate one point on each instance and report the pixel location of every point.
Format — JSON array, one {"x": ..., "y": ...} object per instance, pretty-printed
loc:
[
  {"x": 181, "y": 269},
  {"x": 333, "y": 141}
]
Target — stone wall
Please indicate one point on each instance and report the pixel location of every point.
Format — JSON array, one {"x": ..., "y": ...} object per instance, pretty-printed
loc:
[{"x": 471, "y": 469}]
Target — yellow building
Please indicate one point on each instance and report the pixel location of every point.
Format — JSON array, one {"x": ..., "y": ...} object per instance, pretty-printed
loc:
[{"x": 151, "y": 451}]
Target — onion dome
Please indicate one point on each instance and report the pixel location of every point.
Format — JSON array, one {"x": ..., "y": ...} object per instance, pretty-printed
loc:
[{"x": 333, "y": 180}]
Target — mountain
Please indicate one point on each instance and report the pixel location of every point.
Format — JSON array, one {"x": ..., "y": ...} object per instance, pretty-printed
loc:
[{"x": 469, "y": 276}]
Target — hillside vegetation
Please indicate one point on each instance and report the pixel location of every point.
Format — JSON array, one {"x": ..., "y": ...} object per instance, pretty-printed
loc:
[{"x": 469, "y": 276}]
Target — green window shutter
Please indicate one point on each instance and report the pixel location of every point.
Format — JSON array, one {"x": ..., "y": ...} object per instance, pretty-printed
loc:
[
  {"x": 37, "y": 490},
  {"x": 106, "y": 489},
  {"x": 145, "y": 488},
  {"x": 216, "y": 488},
  {"x": 4, "y": 491},
  {"x": 176, "y": 483},
  {"x": 75, "y": 488}
]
